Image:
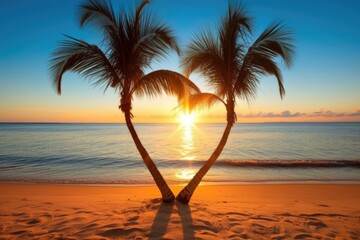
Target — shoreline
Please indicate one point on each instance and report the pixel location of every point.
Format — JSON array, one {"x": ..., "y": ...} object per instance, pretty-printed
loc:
[
  {"x": 220, "y": 183},
  {"x": 262, "y": 211}
]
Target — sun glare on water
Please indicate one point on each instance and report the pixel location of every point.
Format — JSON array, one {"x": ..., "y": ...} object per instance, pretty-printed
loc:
[
  {"x": 185, "y": 174},
  {"x": 187, "y": 119}
]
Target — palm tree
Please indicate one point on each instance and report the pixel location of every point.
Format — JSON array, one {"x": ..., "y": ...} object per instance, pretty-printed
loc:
[
  {"x": 131, "y": 41},
  {"x": 233, "y": 68}
]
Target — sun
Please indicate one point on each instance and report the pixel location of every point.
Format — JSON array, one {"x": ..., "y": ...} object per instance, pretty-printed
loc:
[{"x": 187, "y": 119}]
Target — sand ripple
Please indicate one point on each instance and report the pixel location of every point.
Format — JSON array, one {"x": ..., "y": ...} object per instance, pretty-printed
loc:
[
  {"x": 152, "y": 219},
  {"x": 231, "y": 212}
]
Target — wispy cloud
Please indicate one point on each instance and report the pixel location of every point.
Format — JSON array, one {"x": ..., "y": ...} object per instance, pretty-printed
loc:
[
  {"x": 289, "y": 114},
  {"x": 285, "y": 113},
  {"x": 329, "y": 113},
  {"x": 355, "y": 113}
]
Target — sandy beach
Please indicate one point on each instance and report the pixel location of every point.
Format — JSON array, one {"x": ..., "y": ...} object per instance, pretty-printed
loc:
[{"x": 303, "y": 211}]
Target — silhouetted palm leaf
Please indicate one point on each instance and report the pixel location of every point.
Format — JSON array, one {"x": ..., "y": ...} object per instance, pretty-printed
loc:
[
  {"x": 83, "y": 58},
  {"x": 99, "y": 13},
  {"x": 199, "y": 101},
  {"x": 260, "y": 60},
  {"x": 165, "y": 81}
]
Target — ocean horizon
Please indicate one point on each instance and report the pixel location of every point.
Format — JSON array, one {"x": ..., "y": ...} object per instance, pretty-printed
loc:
[{"x": 104, "y": 153}]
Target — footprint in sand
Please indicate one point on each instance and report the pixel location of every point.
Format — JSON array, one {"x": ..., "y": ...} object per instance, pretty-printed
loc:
[
  {"x": 132, "y": 221},
  {"x": 41, "y": 222},
  {"x": 303, "y": 236},
  {"x": 33, "y": 221},
  {"x": 315, "y": 224},
  {"x": 323, "y": 205}
]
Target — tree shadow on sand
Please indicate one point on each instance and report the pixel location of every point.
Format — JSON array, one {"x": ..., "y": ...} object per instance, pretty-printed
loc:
[{"x": 162, "y": 219}]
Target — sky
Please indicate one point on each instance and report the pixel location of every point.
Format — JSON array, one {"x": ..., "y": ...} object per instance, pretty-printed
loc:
[{"x": 322, "y": 85}]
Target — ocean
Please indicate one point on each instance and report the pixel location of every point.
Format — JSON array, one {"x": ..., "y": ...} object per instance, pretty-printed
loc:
[{"x": 106, "y": 154}]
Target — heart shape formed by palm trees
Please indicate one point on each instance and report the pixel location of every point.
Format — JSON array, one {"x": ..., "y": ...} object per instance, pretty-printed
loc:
[{"x": 132, "y": 41}]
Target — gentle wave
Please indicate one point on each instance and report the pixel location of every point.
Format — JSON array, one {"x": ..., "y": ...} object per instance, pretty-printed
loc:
[
  {"x": 270, "y": 172},
  {"x": 290, "y": 163},
  {"x": 18, "y": 161},
  {"x": 176, "y": 182},
  {"x": 106, "y": 154}
]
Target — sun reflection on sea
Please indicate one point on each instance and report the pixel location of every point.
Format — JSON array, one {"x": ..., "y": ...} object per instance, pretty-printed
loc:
[
  {"x": 186, "y": 129},
  {"x": 184, "y": 174},
  {"x": 187, "y": 144}
]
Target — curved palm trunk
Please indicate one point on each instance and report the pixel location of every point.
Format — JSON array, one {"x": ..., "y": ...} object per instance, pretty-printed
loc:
[
  {"x": 167, "y": 195},
  {"x": 185, "y": 195}
]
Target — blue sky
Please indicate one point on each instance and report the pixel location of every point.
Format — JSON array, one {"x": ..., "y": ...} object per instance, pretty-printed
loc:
[{"x": 323, "y": 83}]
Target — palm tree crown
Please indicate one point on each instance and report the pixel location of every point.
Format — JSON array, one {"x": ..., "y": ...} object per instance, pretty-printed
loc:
[
  {"x": 131, "y": 42},
  {"x": 231, "y": 65}
]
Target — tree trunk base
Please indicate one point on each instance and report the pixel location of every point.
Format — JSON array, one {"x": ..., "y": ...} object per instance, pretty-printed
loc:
[
  {"x": 168, "y": 199},
  {"x": 183, "y": 197}
]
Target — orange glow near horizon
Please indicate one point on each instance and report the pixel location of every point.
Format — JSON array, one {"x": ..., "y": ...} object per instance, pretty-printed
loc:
[{"x": 145, "y": 114}]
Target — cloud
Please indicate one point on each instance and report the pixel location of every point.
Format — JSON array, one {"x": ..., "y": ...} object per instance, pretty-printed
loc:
[
  {"x": 322, "y": 113},
  {"x": 286, "y": 114},
  {"x": 355, "y": 113},
  {"x": 326, "y": 113},
  {"x": 289, "y": 114},
  {"x": 329, "y": 113}
]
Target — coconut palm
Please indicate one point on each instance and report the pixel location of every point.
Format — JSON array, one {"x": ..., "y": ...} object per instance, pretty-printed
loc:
[
  {"x": 232, "y": 65},
  {"x": 131, "y": 42}
]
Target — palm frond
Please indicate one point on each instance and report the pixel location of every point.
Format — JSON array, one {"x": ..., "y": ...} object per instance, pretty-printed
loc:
[
  {"x": 217, "y": 55},
  {"x": 139, "y": 39},
  {"x": 81, "y": 57},
  {"x": 98, "y": 12},
  {"x": 138, "y": 13},
  {"x": 235, "y": 26},
  {"x": 239, "y": 19},
  {"x": 155, "y": 41},
  {"x": 199, "y": 101},
  {"x": 164, "y": 81},
  {"x": 260, "y": 60},
  {"x": 203, "y": 55},
  {"x": 277, "y": 41},
  {"x": 202, "y": 51}
]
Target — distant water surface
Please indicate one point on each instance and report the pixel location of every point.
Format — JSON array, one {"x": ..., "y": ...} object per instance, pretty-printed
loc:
[{"x": 106, "y": 154}]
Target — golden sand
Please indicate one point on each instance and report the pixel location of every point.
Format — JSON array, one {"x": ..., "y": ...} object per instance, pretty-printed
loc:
[{"x": 304, "y": 211}]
